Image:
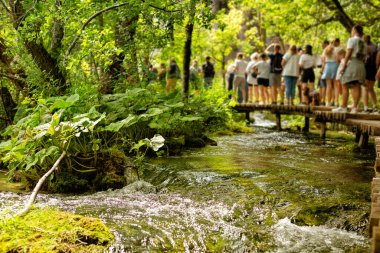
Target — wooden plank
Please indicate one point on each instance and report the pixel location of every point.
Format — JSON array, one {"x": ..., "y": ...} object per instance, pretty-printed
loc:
[{"x": 375, "y": 242}]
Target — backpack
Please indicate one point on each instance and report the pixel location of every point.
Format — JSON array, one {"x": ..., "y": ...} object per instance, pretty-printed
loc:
[
  {"x": 276, "y": 64},
  {"x": 208, "y": 69}
]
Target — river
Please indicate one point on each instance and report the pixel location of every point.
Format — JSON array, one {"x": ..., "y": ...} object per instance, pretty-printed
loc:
[{"x": 262, "y": 192}]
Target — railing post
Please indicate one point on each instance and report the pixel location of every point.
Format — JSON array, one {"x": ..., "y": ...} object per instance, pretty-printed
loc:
[
  {"x": 357, "y": 135},
  {"x": 323, "y": 129},
  {"x": 247, "y": 116},
  {"x": 278, "y": 121},
  {"x": 363, "y": 142},
  {"x": 307, "y": 125}
]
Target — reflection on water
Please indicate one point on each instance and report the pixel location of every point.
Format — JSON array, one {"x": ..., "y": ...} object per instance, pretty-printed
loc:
[{"x": 240, "y": 196}]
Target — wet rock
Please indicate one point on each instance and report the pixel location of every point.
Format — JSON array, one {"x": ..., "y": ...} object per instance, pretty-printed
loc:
[
  {"x": 209, "y": 141},
  {"x": 175, "y": 144},
  {"x": 195, "y": 142},
  {"x": 139, "y": 186}
]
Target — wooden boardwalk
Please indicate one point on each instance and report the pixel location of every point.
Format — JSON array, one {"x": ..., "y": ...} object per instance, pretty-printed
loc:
[{"x": 364, "y": 125}]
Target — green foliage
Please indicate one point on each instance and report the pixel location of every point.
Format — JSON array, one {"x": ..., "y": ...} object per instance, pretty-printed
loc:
[
  {"x": 51, "y": 230},
  {"x": 134, "y": 122}
]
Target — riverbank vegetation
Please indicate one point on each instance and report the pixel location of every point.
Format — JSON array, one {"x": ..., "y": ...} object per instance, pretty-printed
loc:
[{"x": 51, "y": 230}]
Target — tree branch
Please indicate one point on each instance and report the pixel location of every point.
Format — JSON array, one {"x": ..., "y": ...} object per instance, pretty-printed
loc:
[
  {"x": 84, "y": 26},
  {"x": 323, "y": 22},
  {"x": 5, "y": 6},
  {"x": 33, "y": 196}
]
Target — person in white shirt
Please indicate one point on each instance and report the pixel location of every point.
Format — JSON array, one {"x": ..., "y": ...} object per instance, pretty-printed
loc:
[
  {"x": 252, "y": 79},
  {"x": 290, "y": 73},
  {"x": 353, "y": 70},
  {"x": 262, "y": 68},
  {"x": 239, "y": 80},
  {"x": 307, "y": 64}
]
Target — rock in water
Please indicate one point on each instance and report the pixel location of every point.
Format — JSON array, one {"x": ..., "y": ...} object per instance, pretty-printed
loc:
[{"x": 139, "y": 186}]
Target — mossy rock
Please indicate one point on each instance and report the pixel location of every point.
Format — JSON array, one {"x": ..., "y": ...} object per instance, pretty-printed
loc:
[
  {"x": 66, "y": 182},
  {"x": 109, "y": 180},
  {"x": 51, "y": 230},
  {"x": 175, "y": 145}
]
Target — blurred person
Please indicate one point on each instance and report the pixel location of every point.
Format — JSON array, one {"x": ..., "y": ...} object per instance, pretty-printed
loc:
[
  {"x": 276, "y": 69},
  {"x": 307, "y": 65},
  {"x": 252, "y": 79},
  {"x": 329, "y": 69},
  {"x": 239, "y": 80},
  {"x": 371, "y": 68},
  {"x": 338, "y": 89},
  {"x": 195, "y": 75},
  {"x": 208, "y": 72},
  {"x": 353, "y": 70},
  {"x": 290, "y": 73},
  {"x": 161, "y": 77},
  {"x": 173, "y": 75},
  {"x": 262, "y": 68}
]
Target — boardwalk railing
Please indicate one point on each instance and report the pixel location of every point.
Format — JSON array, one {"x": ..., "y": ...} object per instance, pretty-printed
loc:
[{"x": 364, "y": 125}]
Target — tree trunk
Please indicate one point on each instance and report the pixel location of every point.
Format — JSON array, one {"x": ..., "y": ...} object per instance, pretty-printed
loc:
[
  {"x": 339, "y": 13},
  {"x": 8, "y": 104},
  {"x": 187, "y": 59},
  {"x": 40, "y": 55},
  {"x": 57, "y": 32}
]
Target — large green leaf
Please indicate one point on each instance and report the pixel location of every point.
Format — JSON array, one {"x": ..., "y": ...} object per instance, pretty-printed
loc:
[{"x": 116, "y": 126}]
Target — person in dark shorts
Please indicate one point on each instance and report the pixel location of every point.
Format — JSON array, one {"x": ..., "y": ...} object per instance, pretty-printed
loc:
[
  {"x": 262, "y": 68},
  {"x": 208, "y": 72},
  {"x": 275, "y": 72},
  {"x": 370, "y": 68},
  {"x": 307, "y": 64}
]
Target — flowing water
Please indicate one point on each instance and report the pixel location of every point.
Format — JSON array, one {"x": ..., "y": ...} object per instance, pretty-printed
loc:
[{"x": 262, "y": 192}]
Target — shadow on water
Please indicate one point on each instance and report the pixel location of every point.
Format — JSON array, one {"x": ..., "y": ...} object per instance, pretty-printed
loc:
[{"x": 262, "y": 192}]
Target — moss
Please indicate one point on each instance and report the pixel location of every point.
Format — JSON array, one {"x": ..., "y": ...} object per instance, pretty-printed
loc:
[
  {"x": 68, "y": 182},
  {"x": 51, "y": 230}
]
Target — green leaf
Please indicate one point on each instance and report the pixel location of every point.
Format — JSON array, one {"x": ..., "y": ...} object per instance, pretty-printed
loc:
[
  {"x": 129, "y": 121},
  {"x": 191, "y": 118}
]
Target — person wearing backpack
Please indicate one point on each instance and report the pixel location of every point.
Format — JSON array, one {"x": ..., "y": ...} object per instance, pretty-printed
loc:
[
  {"x": 173, "y": 74},
  {"x": 275, "y": 72},
  {"x": 370, "y": 67},
  {"x": 208, "y": 72}
]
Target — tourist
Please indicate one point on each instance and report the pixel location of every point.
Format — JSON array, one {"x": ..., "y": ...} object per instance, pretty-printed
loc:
[
  {"x": 329, "y": 69},
  {"x": 252, "y": 79},
  {"x": 353, "y": 70},
  {"x": 161, "y": 77},
  {"x": 370, "y": 67},
  {"x": 300, "y": 52},
  {"x": 307, "y": 65},
  {"x": 321, "y": 81},
  {"x": 290, "y": 73},
  {"x": 195, "y": 78},
  {"x": 338, "y": 89},
  {"x": 230, "y": 74},
  {"x": 239, "y": 80},
  {"x": 208, "y": 72},
  {"x": 262, "y": 68},
  {"x": 275, "y": 72},
  {"x": 173, "y": 75}
]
